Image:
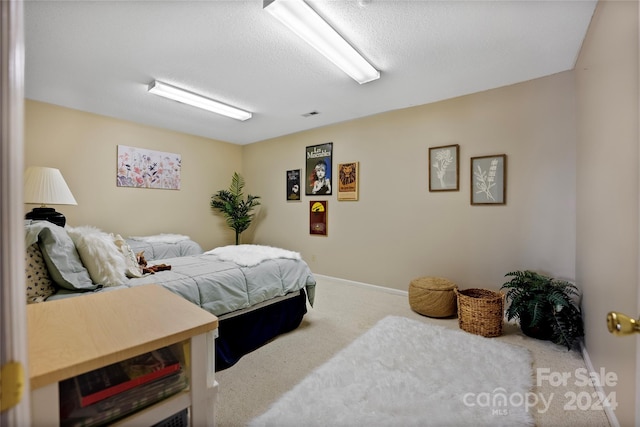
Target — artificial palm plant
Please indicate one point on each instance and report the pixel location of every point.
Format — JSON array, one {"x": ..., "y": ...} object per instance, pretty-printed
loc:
[
  {"x": 236, "y": 209},
  {"x": 545, "y": 307}
]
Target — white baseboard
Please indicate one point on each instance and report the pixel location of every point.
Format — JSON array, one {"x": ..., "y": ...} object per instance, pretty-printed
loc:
[
  {"x": 613, "y": 420},
  {"x": 365, "y": 285}
]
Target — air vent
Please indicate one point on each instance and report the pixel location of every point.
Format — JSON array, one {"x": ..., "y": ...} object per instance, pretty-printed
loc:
[{"x": 313, "y": 113}]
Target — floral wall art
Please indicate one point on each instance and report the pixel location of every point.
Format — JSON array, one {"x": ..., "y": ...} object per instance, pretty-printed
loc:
[
  {"x": 489, "y": 180},
  {"x": 141, "y": 168},
  {"x": 443, "y": 168}
]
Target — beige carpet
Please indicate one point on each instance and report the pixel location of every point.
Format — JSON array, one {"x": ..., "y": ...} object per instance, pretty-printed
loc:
[{"x": 343, "y": 312}]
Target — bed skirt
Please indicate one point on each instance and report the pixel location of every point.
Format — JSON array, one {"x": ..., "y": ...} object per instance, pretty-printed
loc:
[{"x": 242, "y": 334}]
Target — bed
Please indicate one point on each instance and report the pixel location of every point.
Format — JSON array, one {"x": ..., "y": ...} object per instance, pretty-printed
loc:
[{"x": 257, "y": 292}]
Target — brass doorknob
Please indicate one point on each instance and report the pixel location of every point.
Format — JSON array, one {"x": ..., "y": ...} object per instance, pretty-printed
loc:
[{"x": 621, "y": 324}]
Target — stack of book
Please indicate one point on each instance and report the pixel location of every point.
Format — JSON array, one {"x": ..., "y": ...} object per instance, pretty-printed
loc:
[{"x": 106, "y": 394}]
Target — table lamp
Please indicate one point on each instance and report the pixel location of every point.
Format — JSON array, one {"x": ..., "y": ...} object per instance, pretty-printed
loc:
[{"x": 46, "y": 186}]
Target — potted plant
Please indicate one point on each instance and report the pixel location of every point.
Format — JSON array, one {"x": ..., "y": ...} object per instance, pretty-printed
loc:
[
  {"x": 545, "y": 307},
  {"x": 236, "y": 209}
]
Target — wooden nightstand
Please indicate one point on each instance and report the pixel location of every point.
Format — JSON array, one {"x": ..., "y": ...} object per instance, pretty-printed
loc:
[{"x": 72, "y": 336}]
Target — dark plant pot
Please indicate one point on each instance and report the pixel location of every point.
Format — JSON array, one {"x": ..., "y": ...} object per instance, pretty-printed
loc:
[{"x": 541, "y": 331}]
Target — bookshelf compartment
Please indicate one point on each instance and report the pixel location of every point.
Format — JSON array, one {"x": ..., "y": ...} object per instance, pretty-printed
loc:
[{"x": 191, "y": 339}]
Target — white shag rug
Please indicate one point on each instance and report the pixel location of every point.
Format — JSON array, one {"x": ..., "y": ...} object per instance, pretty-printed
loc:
[{"x": 403, "y": 372}]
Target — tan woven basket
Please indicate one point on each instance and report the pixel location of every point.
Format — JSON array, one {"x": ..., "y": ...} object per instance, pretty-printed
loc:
[
  {"x": 480, "y": 311},
  {"x": 433, "y": 296}
]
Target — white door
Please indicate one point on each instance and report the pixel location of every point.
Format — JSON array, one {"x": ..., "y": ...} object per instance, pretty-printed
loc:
[
  {"x": 623, "y": 325},
  {"x": 13, "y": 329}
]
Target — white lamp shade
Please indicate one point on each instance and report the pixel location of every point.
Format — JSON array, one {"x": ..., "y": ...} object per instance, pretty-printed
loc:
[{"x": 46, "y": 186}]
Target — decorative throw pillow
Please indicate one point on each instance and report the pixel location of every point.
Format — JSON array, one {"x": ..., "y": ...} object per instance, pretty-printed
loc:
[
  {"x": 39, "y": 284},
  {"x": 132, "y": 267},
  {"x": 60, "y": 255},
  {"x": 99, "y": 254}
]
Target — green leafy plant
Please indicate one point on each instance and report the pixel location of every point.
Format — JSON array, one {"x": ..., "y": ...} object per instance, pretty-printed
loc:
[
  {"x": 545, "y": 307},
  {"x": 232, "y": 204}
]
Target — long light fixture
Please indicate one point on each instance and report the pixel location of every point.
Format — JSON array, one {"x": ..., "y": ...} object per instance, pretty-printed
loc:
[
  {"x": 300, "y": 18},
  {"x": 195, "y": 100}
]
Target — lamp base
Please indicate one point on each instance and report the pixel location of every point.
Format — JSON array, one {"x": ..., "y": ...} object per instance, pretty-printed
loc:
[{"x": 47, "y": 214}]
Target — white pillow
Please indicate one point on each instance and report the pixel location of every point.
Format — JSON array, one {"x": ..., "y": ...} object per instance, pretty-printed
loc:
[
  {"x": 133, "y": 268},
  {"x": 99, "y": 254}
]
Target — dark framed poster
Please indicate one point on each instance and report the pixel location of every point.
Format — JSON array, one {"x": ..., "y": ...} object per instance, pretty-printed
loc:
[
  {"x": 293, "y": 184},
  {"x": 318, "y": 217},
  {"x": 318, "y": 172}
]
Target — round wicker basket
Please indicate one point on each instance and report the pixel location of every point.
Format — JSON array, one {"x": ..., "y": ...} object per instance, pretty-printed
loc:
[
  {"x": 433, "y": 296},
  {"x": 480, "y": 311}
]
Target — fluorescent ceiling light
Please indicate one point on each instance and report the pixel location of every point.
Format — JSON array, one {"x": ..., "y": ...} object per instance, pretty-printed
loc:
[
  {"x": 300, "y": 18},
  {"x": 193, "y": 99}
]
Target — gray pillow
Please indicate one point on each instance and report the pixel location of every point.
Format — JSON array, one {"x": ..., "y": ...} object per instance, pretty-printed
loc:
[{"x": 60, "y": 256}]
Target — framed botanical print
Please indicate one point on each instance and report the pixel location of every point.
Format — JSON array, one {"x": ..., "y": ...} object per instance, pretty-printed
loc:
[
  {"x": 348, "y": 181},
  {"x": 293, "y": 184},
  {"x": 489, "y": 180},
  {"x": 444, "y": 174},
  {"x": 318, "y": 174}
]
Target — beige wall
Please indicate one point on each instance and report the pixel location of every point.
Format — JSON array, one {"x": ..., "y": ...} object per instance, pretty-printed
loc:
[
  {"x": 582, "y": 123},
  {"x": 84, "y": 147},
  {"x": 607, "y": 191},
  {"x": 398, "y": 230}
]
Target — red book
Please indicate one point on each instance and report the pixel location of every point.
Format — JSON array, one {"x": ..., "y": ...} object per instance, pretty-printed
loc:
[{"x": 110, "y": 380}]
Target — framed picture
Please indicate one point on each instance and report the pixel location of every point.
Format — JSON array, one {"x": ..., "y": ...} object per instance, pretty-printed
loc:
[
  {"x": 348, "y": 181},
  {"x": 318, "y": 173},
  {"x": 444, "y": 174},
  {"x": 142, "y": 168},
  {"x": 318, "y": 217},
  {"x": 293, "y": 184},
  {"x": 489, "y": 180}
]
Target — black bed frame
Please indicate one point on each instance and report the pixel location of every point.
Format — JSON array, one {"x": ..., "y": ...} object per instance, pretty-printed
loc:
[{"x": 244, "y": 333}]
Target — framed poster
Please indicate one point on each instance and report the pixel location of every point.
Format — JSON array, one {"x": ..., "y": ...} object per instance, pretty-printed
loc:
[
  {"x": 489, "y": 180},
  {"x": 444, "y": 173},
  {"x": 348, "y": 181},
  {"x": 318, "y": 173},
  {"x": 293, "y": 184},
  {"x": 318, "y": 217}
]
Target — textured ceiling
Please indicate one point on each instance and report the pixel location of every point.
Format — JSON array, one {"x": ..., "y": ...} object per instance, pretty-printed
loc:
[{"x": 100, "y": 56}]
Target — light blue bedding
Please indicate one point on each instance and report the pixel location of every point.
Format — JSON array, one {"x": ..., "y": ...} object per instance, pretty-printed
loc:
[
  {"x": 213, "y": 281},
  {"x": 221, "y": 287},
  {"x": 161, "y": 250}
]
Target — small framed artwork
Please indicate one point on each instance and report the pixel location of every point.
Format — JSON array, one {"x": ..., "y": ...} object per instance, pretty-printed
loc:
[
  {"x": 318, "y": 173},
  {"x": 318, "y": 217},
  {"x": 293, "y": 184},
  {"x": 348, "y": 181},
  {"x": 444, "y": 174},
  {"x": 489, "y": 180}
]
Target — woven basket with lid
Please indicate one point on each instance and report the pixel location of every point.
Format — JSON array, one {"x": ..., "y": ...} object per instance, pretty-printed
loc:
[{"x": 433, "y": 296}]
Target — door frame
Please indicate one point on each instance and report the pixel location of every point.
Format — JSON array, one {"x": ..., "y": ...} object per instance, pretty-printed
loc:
[{"x": 13, "y": 329}]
